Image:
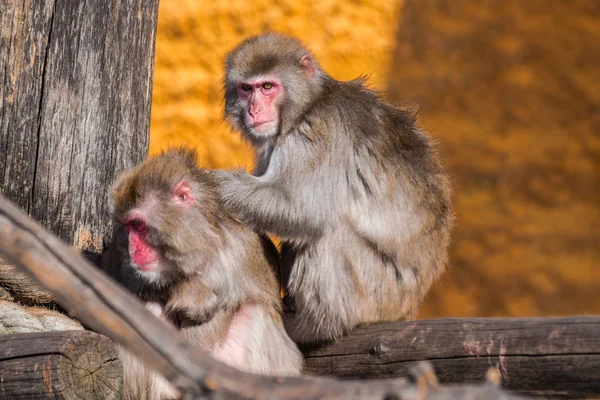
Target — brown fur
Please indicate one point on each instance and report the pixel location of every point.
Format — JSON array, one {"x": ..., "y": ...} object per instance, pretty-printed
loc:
[
  {"x": 353, "y": 187},
  {"x": 215, "y": 267}
]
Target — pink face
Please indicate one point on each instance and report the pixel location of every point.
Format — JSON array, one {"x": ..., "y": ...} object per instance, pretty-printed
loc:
[
  {"x": 261, "y": 97},
  {"x": 144, "y": 257}
]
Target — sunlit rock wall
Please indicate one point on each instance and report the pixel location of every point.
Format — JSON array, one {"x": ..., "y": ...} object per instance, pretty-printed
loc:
[
  {"x": 348, "y": 38},
  {"x": 512, "y": 90}
]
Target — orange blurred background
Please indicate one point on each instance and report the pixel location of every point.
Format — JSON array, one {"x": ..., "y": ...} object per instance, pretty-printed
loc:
[{"x": 510, "y": 88}]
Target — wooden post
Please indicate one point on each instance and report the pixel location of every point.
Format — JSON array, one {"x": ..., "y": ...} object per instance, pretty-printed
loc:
[{"x": 75, "y": 95}]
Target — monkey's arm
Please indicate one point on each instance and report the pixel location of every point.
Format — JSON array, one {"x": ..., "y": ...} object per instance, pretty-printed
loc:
[
  {"x": 193, "y": 301},
  {"x": 268, "y": 206}
]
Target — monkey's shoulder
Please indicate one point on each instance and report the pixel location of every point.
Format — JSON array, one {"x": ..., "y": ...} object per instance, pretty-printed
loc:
[
  {"x": 346, "y": 98},
  {"x": 259, "y": 253},
  {"x": 370, "y": 121}
]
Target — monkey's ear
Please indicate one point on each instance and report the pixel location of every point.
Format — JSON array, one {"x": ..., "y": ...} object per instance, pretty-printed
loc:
[
  {"x": 307, "y": 65},
  {"x": 182, "y": 194}
]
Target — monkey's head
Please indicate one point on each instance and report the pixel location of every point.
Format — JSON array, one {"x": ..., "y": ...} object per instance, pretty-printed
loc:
[
  {"x": 270, "y": 81},
  {"x": 166, "y": 213}
]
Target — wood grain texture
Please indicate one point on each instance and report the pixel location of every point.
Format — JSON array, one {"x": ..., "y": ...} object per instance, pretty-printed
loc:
[
  {"x": 19, "y": 287},
  {"x": 548, "y": 357},
  {"x": 59, "y": 365},
  {"x": 15, "y": 318},
  {"x": 104, "y": 306},
  {"x": 24, "y": 30},
  {"x": 75, "y": 93}
]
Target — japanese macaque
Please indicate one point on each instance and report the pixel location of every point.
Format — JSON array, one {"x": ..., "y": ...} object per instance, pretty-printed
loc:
[
  {"x": 351, "y": 185},
  {"x": 194, "y": 265}
]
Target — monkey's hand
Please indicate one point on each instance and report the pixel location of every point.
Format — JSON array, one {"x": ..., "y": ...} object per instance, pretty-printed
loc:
[
  {"x": 236, "y": 185},
  {"x": 227, "y": 178},
  {"x": 233, "y": 182},
  {"x": 192, "y": 302}
]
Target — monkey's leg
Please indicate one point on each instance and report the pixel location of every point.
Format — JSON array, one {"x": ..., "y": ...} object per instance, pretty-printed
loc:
[
  {"x": 256, "y": 342},
  {"x": 336, "y": 285},
  {"x": 142, "y": 384},
  {"x": 323, "y": 290}
]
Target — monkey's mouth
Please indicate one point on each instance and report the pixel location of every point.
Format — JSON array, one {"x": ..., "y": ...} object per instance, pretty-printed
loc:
[
  {"x": 262, "y": 126},
  {"x": 149, "y": 266}
]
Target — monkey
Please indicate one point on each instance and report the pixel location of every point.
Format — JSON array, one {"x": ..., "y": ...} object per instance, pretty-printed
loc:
[
  {"x": 197, "y": 267},
  {"x": 351, "y": 185}
]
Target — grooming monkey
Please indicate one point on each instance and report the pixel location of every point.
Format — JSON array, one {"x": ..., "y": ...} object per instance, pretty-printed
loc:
[
  {"x": 351, "y": 185},
  {"x": 180, "y": 252}
]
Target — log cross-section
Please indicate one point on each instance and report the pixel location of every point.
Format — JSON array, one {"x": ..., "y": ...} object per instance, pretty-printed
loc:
[{"x": 59, "y": 365}]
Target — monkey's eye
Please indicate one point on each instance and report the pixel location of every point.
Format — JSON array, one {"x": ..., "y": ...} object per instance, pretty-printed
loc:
[
  {"x": 245, "y": 87},
  {"x": 267, "y": 85},
  {"x": 136, "y": 224}
]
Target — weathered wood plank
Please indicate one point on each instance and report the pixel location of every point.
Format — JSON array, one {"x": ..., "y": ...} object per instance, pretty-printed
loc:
[
  {"x": 19, "y": 287},
  {"x": 24, "y": 31},
  {"x": 95, "y": 112},
  {"x": 93, "y": 298},
  {"x": 59, "y": 365},
  {"x": 75, "y": 93},
  {"x": 558, "y": 357},
  {"x": 15, "y": 318}
]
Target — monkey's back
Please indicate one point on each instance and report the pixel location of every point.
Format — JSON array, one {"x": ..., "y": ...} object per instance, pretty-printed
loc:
[{"x": 388, "y": 234}]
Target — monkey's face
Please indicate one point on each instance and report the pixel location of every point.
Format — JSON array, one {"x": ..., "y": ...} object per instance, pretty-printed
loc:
[
  {"x": 149, "y": 225},
  {"x": 261, "y": 98},
  {"x": 166, "y": 218},
  {"x": 270, "y": 81}
]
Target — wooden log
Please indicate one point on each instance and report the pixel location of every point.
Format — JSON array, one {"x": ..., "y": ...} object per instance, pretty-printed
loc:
[
  {"x": 88, "y": 294},
  {"x": 75, "y": 96},
  {"x": 5, "y": 295},
  {"x": 19, "y": 287},
  {"x": 15, "y": 318},
  {"x": 59, "y": 365},
  {"x": 548, "y": 357}
]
